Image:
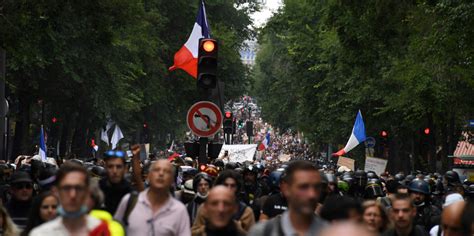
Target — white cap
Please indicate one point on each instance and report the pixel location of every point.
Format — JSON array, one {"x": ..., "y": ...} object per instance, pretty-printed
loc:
[{"x": 452, "y": 198}]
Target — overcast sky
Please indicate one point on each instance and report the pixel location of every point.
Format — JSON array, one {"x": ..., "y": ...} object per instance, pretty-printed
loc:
[{"x": 267, "y": 10}]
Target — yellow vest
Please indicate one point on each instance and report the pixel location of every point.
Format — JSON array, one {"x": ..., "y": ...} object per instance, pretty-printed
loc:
[{"x": 115, "y": 228}]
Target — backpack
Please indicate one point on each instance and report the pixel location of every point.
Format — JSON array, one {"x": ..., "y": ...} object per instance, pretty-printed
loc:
[{"x": 132, "y": 201}]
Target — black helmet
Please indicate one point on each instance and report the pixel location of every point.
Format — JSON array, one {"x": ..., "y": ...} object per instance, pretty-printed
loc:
[
  {"x": 97, "y": 171},
  {"x": 331, "y": 178},
  {"x": 360, "y": 178},
  {"x": 259, "y": 167},
  {"x": 373, "y": 189},
  {"x": 419, "y": 186},
  {"x": 452, "y": 177},
  {"x": 231, "y": 166},
  {"x": 399, "y": 177},
  {"x": 348, "y": 177},
  {"x": 250, "y": 169},
  {"x": 219, "y": 164},
  {"x": 371, "y": 175},
  {"x": 408, "y": 179},
  {"x": 275, "y": 178},
  {"x": 197, "y": 179}
]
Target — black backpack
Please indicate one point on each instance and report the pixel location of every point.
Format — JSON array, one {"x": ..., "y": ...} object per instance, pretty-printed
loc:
[{"x": 132, "y": 201}]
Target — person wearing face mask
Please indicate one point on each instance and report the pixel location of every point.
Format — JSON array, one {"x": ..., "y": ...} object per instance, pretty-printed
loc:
[
  {"x": 72, "y": 187},
  {"x": 201, "y": 185}
]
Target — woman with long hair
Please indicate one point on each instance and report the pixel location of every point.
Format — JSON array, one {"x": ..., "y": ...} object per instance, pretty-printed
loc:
[
  {"x": 43, "y": 209},
  {"x": 8, "y": 228},
  {"x": 375, "y": 218}
]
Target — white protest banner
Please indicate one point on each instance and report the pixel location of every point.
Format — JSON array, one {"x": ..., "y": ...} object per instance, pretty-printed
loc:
[
  {"x": 374, "y": 164},
  {"x": 239, "y": 153},
  {"x": 347, "y": 162}
]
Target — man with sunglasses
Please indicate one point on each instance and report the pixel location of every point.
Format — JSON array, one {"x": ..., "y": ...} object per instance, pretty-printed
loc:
[
  {"x": 302, "y": 188},
  {"x": 114, "y": 186},
  {"x": 21, "y": 190}
]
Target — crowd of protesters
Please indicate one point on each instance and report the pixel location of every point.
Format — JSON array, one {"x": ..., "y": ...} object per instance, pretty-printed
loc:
[
  {"x": 160, "y": 196},
  {"x": 285, "y": 190}
]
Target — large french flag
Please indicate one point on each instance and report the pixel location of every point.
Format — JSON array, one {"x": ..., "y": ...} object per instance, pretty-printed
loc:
[
  {"x": 357, "y": 136},
  {"x": 186, "y": 58}
]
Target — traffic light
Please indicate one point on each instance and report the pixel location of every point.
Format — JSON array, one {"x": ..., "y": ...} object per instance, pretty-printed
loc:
[
  {"x": 146, "y": 133},
  {"x": 427, "y": 131},
  {"x": 384, "y": 134},
  {"x": 54, "y": 120},
  {"x": 228, "y": 122},
  {"x": 249, "y": 127},
  {"x": 207, "y": 63}
]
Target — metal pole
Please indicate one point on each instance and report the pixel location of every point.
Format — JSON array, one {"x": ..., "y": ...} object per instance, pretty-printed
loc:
[
  {"x": 203, "y": 150},
  {"x": 2, "y": 104}
]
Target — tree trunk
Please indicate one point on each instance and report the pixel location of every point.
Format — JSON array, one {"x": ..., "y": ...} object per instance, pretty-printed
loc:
[{"x": 21, "y": 144}]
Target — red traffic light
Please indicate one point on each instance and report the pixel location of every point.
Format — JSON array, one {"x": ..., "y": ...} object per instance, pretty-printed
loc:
[
  {"x": 384, "y": 133},
  {"x": 145, "y": 125},
  {"x": 208, "y": 45},
  {"x": 228, "y": 114},
  {"x": 427, "y": 131},
  {"x": 54, "y": 120}
]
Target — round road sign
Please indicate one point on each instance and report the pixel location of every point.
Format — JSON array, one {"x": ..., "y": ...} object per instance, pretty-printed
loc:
[
  {"x": 204, "y": 119},
  {"x": 370, "y": 142}
]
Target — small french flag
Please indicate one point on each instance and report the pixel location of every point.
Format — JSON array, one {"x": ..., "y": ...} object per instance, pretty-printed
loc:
[
  {"x": 42, "y": 147},
  {"x": 264, "y": 144},
  {"x": 186, "y": 58},
  {"x": 357, "y": 136}
]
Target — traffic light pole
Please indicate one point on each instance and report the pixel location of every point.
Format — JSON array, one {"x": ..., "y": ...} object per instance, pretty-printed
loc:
[{"x": 3, "y": 107}]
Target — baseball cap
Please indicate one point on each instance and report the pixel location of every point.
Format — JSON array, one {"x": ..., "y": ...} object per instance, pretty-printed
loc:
[{"x": 20, "y": 177}]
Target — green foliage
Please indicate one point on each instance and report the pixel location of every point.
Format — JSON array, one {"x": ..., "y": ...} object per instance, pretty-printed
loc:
[
  {"x": 89, "y": 60},
  {"x": 406, "y": 65}
]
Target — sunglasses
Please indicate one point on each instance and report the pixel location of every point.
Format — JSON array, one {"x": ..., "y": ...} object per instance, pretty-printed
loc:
[
  {"x": 114, "y": 154},
  {"x": 23, "y": 186}
]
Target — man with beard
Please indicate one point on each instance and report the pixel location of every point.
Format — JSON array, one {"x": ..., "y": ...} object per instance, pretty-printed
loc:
[
  {"x": 114, "y": 185},
  {"x": 302, "y": 189},
  {"x": 427, "y": 215}
]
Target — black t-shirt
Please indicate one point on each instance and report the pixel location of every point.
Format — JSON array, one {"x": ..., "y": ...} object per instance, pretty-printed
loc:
[
  {"x": 113, "y": 193},
  {"x": 274, "y": 205}
]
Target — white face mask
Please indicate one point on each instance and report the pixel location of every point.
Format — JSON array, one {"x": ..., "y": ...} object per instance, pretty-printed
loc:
[{"x": 202, "y": 196}]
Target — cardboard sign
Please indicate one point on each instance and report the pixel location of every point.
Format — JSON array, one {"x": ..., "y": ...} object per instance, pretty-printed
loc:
[
  {"x": 284, "y": 157},
  {"x": 376, "y": 165},
  {"x": 347, "y": 162}
]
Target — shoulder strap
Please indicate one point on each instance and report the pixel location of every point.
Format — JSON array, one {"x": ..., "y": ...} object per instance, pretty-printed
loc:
[
  {"x": 241, "y": 211},
  {"x": 132, "y": 201}
]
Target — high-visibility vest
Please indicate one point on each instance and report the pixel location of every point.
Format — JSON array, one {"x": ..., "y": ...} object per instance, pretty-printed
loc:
[{"x": 115, "y": 228}]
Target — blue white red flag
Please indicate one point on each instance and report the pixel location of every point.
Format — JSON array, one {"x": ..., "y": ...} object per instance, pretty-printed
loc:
[
  {"x": 42, "y": 146},
  {"x": 264, "y": 144},
  {"x": 186, "y": 58},
  {"x": 357, "y": 136}
]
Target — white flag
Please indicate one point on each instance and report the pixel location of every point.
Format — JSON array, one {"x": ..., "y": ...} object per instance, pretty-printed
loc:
[
  {"x": 104, "y": 136},
  {"x": 116, "y": 136}
]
